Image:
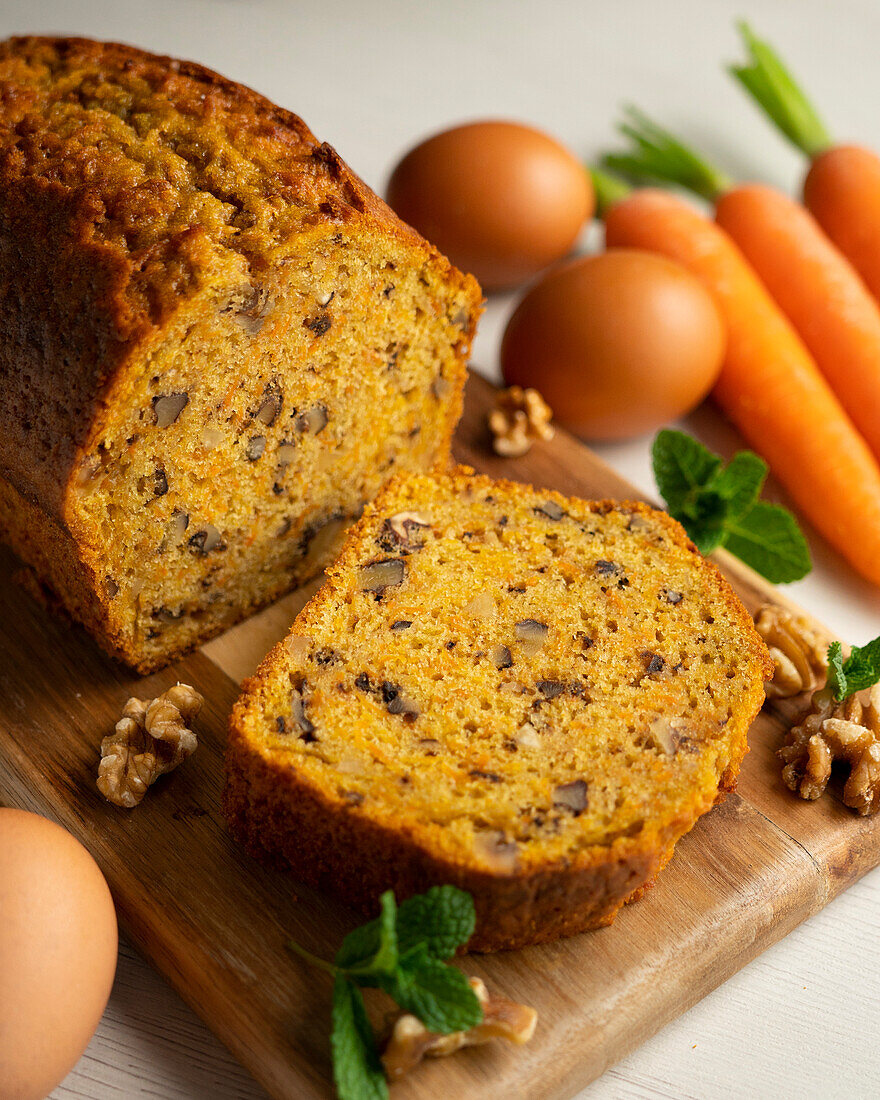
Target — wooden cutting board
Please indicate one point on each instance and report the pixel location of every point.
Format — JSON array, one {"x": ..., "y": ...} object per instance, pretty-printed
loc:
[{"x": 214, "y": 922}]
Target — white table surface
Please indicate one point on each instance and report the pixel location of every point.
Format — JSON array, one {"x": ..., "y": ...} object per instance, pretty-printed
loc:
[{"x": 803, "y": 1019}]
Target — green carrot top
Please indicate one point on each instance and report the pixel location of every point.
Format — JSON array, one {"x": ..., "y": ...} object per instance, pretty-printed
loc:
[
  {"x": 608, "y": 189},
  {"x": 655, "y": 155},
  {"x": 772, "y": 86}
]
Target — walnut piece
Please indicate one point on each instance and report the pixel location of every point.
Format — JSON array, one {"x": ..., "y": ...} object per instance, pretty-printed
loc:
[
  {"x": 167, "y": 407},
  {"x": 518, "y": 419},
  {"x": 151, "y": 738},
  {"x": 405, "y": 526},
  {"x": 830, "y": 731},
  {"x": 382, "y": 573},
  {"x": 798, "y": 652},
  {"x": 411, "y": 1041}
]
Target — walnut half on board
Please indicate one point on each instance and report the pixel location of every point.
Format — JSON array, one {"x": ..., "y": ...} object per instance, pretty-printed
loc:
[
  {"x": 847, "y": 731},
  {"x": 411, "y": 1041},
  {"x": 799, "y": 654},
  {"x": 151, "y": 738},
  {"x": 518, "y": 419}
]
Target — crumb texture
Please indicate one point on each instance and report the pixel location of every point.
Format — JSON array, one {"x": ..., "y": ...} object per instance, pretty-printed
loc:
[{"x": 523, "y": 685}]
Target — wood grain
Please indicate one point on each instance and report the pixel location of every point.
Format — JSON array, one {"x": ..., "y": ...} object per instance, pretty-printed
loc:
[{"x": 214, "y": 923}]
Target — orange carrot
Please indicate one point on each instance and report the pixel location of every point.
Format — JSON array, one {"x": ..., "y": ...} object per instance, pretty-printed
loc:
[
  {"x": 813, "y": 283},
  {"x": 770, "y": 386},
  {"x": 842, "y": 187},
  {"x": 842, "y": 191},
  {"x": 818, "y": 290}
]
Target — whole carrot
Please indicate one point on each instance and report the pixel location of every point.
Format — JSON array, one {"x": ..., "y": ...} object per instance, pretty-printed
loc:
[
  {"x": 813, "y": 283},
  {"x": 842, "y": 186},
  {"x": 818, "y": 290},
  {"x": 769, "y": 386}
]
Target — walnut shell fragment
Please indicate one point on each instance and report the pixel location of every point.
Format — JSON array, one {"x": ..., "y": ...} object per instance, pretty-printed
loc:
[
  {"x": 411, "y": 1041},
  {"x": 151, "y": 738}
]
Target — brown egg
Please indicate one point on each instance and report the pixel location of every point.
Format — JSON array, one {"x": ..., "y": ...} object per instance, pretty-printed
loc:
[
  {"x": 618, "y": 344},
  {"x": 58, "y": 945},
  {"x": 501, "y": 200}
]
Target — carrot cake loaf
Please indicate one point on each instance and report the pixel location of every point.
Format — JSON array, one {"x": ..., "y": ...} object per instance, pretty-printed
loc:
[{"x": 217, "y": 343}]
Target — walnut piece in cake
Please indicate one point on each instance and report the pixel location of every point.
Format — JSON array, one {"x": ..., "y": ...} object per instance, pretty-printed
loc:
[
  {"x": 798, "y": 652},
  {"x": 411, "y": 1041},
  {"x": 151, "y": 738},
  {"x": 518, "y": 419},
  {"x": 830, "y": 731}
]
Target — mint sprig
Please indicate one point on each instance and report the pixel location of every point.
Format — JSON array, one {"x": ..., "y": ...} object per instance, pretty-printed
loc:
[
  {"x": 357, "y": 1069},
  {"x": 403, "y": 952},
  {"x": 859, "y": 671},
  {"x": 718, "y": 506}
]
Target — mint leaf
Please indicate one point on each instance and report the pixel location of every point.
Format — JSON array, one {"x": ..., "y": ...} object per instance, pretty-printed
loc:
[
  {"x": 442, "y": 919},
  {"x": 769, "y": 540},
  {"x": 703, "y": 519},
  {"x": 720, "y": 507},
  {"x": 859, "y": 671},
  {"x": 836, "y": 680},
  {"x": 681, "y": 465},
  {"x": 685, "y": 470},
  {"x": 359, "y": 946},
  {"x": 372, "y": 948},
  {"x": 439, "y": 995},
  {"x": 357, "y": 1070},
  {"x": 740, "y": 482},
  {"x": 863, "y": 666}
]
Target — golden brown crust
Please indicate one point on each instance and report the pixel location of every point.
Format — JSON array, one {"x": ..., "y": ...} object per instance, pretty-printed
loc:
[
  {"x": 281, "y": 815},
  {"x": 57, "y": 565},
  {"x": 277, "y": 819},
  {"x": 121, "y": 246},
  {"x": 130, "y": 185},
  {"x": 62, "y": 95}
]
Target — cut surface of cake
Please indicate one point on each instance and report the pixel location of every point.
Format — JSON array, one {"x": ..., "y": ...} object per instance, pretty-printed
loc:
[
  {"x": 217, "y": 342},
  {"x": 528, "y": 696}
]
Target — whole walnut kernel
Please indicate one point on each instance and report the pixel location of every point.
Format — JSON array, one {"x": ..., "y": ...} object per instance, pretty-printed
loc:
[
  {"x": 518, "y": 419},
  {"x": 151, "y": 738},
  {"x": 799, "y": 654},
  {"x": 848, "y": 731}
]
